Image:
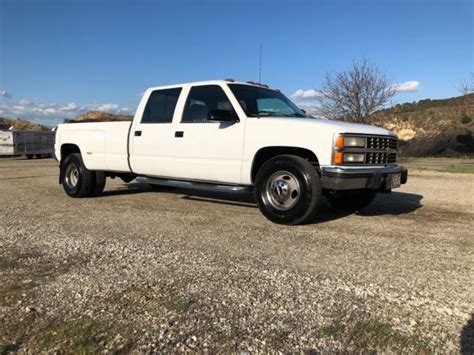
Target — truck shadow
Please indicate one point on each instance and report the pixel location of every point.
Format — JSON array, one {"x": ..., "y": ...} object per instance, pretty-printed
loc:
[
  {"x": 395, "y": 203},
  {"x": 466, "y": 338},
  {"x": 126, "y": 189}
]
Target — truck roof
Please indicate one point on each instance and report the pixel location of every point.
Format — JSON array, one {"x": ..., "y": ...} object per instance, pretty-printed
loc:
[{"x": 207, "y": 82}]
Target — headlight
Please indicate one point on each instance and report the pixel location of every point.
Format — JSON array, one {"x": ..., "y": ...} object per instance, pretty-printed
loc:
[
  {"x": 354, "y": 142},
  {"x": 353, "y": 158}
]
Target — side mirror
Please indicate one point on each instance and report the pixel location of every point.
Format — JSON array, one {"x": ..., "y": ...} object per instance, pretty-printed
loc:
[{"x": 222, "y": 116}]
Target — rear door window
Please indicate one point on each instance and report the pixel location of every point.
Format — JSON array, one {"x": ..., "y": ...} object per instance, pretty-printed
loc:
[{"x": 161, "y": 105}]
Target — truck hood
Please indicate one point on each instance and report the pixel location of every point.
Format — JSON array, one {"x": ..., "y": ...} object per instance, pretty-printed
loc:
[{"x": 333, "y": 126}]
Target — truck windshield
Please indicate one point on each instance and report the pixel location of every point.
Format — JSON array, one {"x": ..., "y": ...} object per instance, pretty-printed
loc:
[{"x": 258, "y": 101}]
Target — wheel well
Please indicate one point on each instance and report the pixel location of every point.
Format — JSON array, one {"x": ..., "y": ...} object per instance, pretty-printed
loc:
[
  {"x": 67, "y": 149},
  {"x": 267, "y": 153}
]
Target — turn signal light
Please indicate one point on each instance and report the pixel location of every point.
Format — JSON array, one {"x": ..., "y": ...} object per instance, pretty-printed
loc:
[
  {"x": 340, "y": 142},
  {"x": 338, "y": 157}
]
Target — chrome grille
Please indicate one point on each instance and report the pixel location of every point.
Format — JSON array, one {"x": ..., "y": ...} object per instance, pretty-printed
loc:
[
  {"x": 381, "y": 143},
  {"x": 381, "y": 150},
  {"x": 380, "y": 158}
]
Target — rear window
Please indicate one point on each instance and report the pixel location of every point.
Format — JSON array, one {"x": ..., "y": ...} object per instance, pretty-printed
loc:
[{"x": 160, "y": 106}]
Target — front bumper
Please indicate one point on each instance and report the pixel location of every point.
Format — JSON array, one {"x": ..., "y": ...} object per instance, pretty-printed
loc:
[{"x": 374, "y": 178}]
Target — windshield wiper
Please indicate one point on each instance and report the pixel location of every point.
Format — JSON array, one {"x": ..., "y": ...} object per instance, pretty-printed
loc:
[
  {"x": 266, "y": 113},
  {"x": 276, "y": 114},
  {"x": 292, "y": 115}
]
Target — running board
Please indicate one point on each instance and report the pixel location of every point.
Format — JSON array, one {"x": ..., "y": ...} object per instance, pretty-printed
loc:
[{"x": 195, "y": 185}]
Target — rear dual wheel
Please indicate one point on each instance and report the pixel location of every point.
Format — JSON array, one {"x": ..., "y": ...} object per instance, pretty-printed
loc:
[
  {"x": 288, "y": 190},
  {"x": 77, "y": 180}
]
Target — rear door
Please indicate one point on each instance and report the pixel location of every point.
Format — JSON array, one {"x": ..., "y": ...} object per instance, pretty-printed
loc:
[
  {"x": 152, "y": 137},
  {"x": 206, "y": 150}
]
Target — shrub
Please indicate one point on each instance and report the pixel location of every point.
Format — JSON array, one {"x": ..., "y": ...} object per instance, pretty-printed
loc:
[{"x": 466, "y": 119}]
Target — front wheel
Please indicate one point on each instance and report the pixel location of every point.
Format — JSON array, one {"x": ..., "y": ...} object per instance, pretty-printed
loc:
[
  {"x": 350, "y": 200},
  {"x": 288, "y": 190}
]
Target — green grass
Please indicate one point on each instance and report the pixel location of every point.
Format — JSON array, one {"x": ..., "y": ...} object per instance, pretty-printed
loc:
[
  {"x": 18, "y": 277},
  {"x": 178, "y": 304},
  {"x": 459, "y": 169},
  {"x": 7, "y": 264},
  {"x": 362, "y": 333},
  {"x": 450, "y": 169},
  {"x": 23, "y": 271},
  {"x": 466, "y": 119},
  {"x": 445, "y": 165},
  {"x": 6, "y": 348},
  {"x": 80, "y": 336}
]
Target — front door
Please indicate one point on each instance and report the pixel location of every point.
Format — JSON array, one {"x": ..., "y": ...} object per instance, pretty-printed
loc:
[{"x": 207, "y": 150}]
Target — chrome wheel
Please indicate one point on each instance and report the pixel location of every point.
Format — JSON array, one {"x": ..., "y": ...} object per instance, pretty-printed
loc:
[
  {"x": 283, "y": 190},
  {"x": 71, "y": 176}
]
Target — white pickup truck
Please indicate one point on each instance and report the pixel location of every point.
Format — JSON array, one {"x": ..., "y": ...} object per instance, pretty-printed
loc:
[{"x": 231, "y": 136}]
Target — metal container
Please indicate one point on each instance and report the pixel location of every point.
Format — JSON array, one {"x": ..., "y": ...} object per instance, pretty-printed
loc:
[{"x": 29, "y": 143}]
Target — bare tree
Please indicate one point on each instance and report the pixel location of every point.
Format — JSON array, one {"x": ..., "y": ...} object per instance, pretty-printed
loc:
[
  {"x": 465, "y": 87},
  {"x": 354, "y": 94}
]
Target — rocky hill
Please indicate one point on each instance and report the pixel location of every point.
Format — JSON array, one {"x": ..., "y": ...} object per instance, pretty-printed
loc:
[
  {"x": 18, "y": 124},
  {"x": 432, "y": 127},
  {"x": 97, "y": 116}
]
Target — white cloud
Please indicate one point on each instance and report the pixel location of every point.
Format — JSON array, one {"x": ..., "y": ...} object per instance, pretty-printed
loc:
[
  {"x": 124, "y": 110},
  {"x": 311, "y": 108},
  {"x": 50, "y": 111},
  {"x": 407, "y": 86},
  {"x": 72, "y": 106},
  {"x": 104, "y": 107},
  {"x": 310, "y": 94},
  {"x": 25, "y": 102},
  {"x": 5, "y": 94}
]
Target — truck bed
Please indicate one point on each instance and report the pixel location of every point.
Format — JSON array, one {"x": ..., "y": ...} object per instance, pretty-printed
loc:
[{"x": 104, "y": 145}]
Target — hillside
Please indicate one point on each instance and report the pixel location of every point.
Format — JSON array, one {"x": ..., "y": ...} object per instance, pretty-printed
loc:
[
  {"x": 432, "y": 127},
  {"x": 97, "y": 116},
  {"x": 18, "y": 124}
]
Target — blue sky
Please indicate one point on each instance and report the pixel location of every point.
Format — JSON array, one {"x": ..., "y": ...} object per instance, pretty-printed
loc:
[{"x": 60, "y": 58}]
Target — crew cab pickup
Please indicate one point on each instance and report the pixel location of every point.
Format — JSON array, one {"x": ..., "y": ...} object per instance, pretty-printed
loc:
[{"x": 232, "y": 136}]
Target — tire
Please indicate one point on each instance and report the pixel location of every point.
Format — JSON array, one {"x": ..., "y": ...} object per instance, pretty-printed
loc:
[
  {"x": 288, "y": 190},
  {"x": 77, "y": 180},
  {"x": 29, "y": 156},
  {"x": 99, "y": 183},
  {"x": 350, "y": 200}
]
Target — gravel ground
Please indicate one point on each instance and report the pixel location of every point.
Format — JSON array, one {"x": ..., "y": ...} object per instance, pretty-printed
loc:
[{"x": 157, "y": 271}]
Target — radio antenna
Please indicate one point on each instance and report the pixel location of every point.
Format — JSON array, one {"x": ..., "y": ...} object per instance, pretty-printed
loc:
[{"x": 260, "y": 66}]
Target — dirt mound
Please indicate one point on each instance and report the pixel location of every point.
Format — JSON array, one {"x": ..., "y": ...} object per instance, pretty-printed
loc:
[
  {"x": 97, "y": 116},
  {"x": 18, "y": 124}
]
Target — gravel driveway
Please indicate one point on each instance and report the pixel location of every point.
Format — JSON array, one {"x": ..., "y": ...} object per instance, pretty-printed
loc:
[{"x": 157, "y": 271}]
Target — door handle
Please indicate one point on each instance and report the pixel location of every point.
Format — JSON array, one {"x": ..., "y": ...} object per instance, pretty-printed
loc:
[
  {"x": 138, "y": 133},
  {"x": 179, "y": 134}
]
